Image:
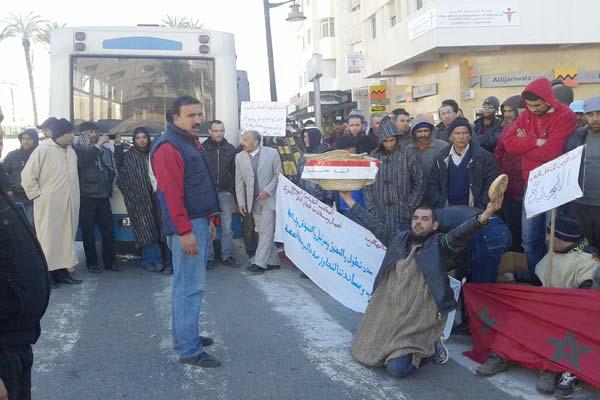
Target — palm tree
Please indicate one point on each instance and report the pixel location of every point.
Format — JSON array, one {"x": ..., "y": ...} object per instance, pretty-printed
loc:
[
  {"x": 26, "y": 27},
  {"x": 46, "y": 31},
  {"x": 182, "y": 22}
]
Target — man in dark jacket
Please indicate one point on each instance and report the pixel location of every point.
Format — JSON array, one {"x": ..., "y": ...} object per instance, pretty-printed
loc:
[
  {"x": 220, "y": 155},
  {"x": 399, "y": 185},
  {"x": 96, "y": 170},
  {"x": 364, "y": 143},
  {"x": 447, "y": 112},
  {"x": 461, "y": 173},
  {"x": 425, "y": 145},
  {"x": 587, "y": 208},
  {"x": 188, "y": 198},
  {"x": 13, "y": 165},
  {"x": 488, "y": 126},
  {"x": 24, "y": 295},
  {"x": 412, "y": 297}
]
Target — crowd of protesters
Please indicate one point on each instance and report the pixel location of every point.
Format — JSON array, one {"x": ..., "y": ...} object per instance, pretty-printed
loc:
[{"x": 429, "y": 204}]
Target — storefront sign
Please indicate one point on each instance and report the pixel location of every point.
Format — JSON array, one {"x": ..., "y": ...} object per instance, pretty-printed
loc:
[
  {"x": 569, "y": 75},
  {"x": 500, "y": 13},
  {"x": 360, "y": 94},
  {"x": 424, "y": 91},
  {"x": 421, "y": 25},
  {"x": 355, "y": 63},
  {"x": 513, "y": 79},
  {"x": 377, "y": 92},
  {"x": 589, "y": 76},
  {"x": 376, "y": 108}
]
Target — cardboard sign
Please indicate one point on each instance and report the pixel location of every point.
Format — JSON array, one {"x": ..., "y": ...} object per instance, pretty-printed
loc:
[
  {"x": 343, "y": 169},
  {"x": 554, "y": 183},
  {"x": 267, "y": 118}
]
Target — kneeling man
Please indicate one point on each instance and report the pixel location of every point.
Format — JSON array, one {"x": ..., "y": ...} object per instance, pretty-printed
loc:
[{"x": 405, "y": 318}]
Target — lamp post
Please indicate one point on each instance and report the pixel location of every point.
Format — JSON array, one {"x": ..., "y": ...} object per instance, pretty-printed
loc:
[{"x": 294, "y": 15}]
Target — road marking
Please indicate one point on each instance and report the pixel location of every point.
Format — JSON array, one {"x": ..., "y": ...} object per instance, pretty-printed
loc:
[
  {"x": 327, "y": 343},
  {"x": 61, "y": 326},
  {"x": 197, "y": 380}
]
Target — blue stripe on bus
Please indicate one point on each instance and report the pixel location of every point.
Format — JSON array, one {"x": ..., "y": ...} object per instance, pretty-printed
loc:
[{"x": 142, "y": 43}]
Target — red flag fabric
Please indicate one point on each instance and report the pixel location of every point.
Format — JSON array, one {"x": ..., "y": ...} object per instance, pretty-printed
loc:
[{"x": 540, "y": 328}]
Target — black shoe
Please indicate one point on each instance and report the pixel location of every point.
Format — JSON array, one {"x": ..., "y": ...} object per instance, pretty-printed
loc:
[
  {"x": 272, "y": 267},
  {"x": 231, "y": 262},
  {"x": 113, "y": 267},
  {"x": 203, "y": 360},
  {"x": 168, "y": 270},
  {"x": 255, "y": 269},
  {"x": 206, "y": 341},
  {"x": 94, "y": 269},
  {"x": 210, "y": 264},
  {"x": 69, "y": 280}
]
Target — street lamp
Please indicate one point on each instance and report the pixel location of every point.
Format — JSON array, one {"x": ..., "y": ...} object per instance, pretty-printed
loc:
[{"x": 295, "y": 15}]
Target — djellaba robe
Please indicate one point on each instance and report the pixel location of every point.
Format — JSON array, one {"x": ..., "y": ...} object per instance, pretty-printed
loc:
[{"x": 50, "y": 179}]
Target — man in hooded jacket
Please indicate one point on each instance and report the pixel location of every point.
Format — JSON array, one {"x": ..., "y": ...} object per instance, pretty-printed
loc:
[
  {"x": 539, "y": 135},
  {"x": 13, "y": 165}
]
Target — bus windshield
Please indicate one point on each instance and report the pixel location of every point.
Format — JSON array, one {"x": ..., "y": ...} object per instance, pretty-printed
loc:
[{"x": 123, "y": 93}]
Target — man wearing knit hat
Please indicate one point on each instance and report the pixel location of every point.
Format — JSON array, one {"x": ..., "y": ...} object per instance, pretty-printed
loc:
[
  {"x": 13, "y": 165},
  {"x": 50, "y": 179},
  {"x": 425, "y": 145},
  {"x": 488, "y": 126},
  {"x": 587, "y": 208},
  {"x": 463, "y": 172},
  {"x": 399, "y": 185}
]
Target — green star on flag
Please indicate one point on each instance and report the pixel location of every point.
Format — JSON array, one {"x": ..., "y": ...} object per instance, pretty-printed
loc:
[
  {"x": 568, "y": 349},
  {"x": 488, "y": 321}
]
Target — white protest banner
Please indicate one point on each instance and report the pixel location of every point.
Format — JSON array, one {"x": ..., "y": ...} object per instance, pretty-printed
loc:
[
  {"x": 267, "y": 118},
  {"x": 336, "y": 253},
  {"x": 554, "y": 183},
  {"x": 340, "y": 169}
]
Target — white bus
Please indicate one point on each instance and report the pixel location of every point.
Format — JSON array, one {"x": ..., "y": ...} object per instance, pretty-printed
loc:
[{"x": 126, "y": 77}]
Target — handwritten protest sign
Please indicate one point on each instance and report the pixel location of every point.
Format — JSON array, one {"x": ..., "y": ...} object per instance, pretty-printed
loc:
[
  {"x": 340, "y": 169},
  {"x": 554, "y": 183},
  {"x": 267, "y": 118},
  {"x": 336, "y": 253}
]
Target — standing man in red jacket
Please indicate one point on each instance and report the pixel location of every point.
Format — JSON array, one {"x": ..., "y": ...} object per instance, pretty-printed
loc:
[{"x": 539, "y": 135}]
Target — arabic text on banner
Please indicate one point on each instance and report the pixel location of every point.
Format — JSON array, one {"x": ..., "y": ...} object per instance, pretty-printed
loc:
[
  {"x": 267, "y": 118},
  {"x": 554, "y": 183},
  {"x": 336, "y": 253}
]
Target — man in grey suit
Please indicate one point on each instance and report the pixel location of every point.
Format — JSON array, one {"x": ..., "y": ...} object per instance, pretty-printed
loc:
[{"x": 256, "y": 174}]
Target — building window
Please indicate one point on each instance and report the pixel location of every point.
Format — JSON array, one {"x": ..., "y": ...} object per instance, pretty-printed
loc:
[
  {"x": 308, "y": 33},
  {"x": 392, "y": 12},
  {"x": 327, "y": 28},
  {"x": 374, "y": 26},
  {"x": 419, "y": 4},
  {"x": 354, "y": 5}
]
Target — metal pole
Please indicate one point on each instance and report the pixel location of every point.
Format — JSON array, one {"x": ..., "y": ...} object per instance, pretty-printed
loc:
[
  {"x": 551, "y": 245},
  {"x": 270, "y": 51},
  {"x": 317, "y": 101}
]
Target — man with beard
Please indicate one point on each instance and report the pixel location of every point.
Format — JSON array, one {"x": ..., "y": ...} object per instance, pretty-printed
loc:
[
  {"x": 405, "y": 318},
  {"x": 142, "y": 206},
  {"x": 399, "y": 185},
  {"x": 96, "y": 174},
  {"x": 401, "y": 118},
  {"x": 50, "y": 180},
  {"x": 220, "y": 155},
  {"x": 13, "y": 165},
  {"x": 426, "y": 146}
]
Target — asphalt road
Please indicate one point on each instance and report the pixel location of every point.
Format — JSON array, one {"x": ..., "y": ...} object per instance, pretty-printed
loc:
[{"x": 279, "y": 337}]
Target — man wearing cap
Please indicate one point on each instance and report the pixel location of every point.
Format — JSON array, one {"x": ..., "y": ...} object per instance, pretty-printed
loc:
[
  {"x": 96, "y": 175},
  {"x": 425, "y": 145},
  {"x": 13, "y": 165},
  {"x": 488, "y": 126},
  {"x": 463, "y": 172},
  {"x": 538, "y": 135},
  {"x": 577, "y": 107},
  {"x": 587, "y": 208},
  {"x": 50, "y": 179},
  {"x": 339, "y": 126},
  {"x": 399, "y": 185}
]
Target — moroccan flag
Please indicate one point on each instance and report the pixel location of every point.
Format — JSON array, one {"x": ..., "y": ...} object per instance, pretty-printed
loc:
[{"x": 540, "y": 328}]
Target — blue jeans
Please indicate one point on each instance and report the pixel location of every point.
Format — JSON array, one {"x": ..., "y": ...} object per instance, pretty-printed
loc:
[
  {"x": 151, "y": 254},
  {"x": 227, "y": 205},
  {"x": 486, "y": 250},
  {"x": 534, "y": 239},
  {"x": 189, "y": 274},
  {"x": 401, "y": 366}
]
